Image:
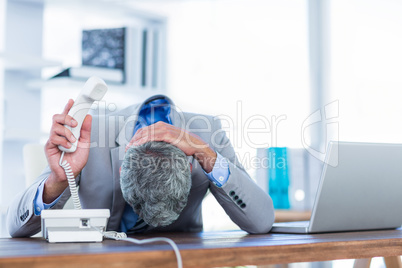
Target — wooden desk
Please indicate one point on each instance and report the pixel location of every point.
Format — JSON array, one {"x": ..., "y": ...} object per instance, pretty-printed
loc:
[{"x": 208, "y": 249}]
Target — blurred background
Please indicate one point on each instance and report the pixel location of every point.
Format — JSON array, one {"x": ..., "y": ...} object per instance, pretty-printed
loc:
[{"x": 262, "y": 66}]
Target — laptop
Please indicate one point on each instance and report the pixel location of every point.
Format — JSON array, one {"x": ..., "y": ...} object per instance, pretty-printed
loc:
[{"x": 361, "y": 191}]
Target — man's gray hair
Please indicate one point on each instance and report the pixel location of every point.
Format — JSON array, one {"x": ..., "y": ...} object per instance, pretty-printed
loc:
[{"x": 155, "y": 180}]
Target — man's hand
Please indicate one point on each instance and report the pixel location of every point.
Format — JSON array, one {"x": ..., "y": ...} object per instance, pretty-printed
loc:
[
  {"x": 188, "y": 142},
  {"x": 60, "y": 135}
]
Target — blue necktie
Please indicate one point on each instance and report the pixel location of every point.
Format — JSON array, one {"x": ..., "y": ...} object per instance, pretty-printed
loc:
[{"x": 152, "y": 112}]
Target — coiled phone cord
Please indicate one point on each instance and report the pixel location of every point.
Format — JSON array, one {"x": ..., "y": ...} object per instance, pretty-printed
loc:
[{"x": 71, "y": 181}]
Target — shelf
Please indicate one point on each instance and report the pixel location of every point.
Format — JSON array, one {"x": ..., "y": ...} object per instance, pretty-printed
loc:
[
  {"x": 63, "y": 82},
  {"x": 25, "y": 62},
  {"x": 67, "y": 83},
  {"x": 23, "y": 135},
  {"x": 121, "y": 95}
]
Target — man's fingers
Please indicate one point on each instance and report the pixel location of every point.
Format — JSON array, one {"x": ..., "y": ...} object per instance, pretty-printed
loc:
[
  {"x": 145, "y": 134},
  {"x": 59, "y": 140},
  {"x": 63, "y": 119},
  {"x": 159, "y": 131},
  {"x": 62, "y": 131},
  {"x": 152, "y": 130},
  {"x": 85, "y": 135},
  {"x": 68, "y": 106},
  {"x": 141, "y": 136},
  {"x": 144, "y": 140},
  {"x": 154, "y": 136},
  {"x": 136, "y": 142}
]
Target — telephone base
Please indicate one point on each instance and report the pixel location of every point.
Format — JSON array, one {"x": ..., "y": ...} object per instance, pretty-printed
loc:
[
  {"x": 73, "y": 234},
  {"x": 66, "y": 225}
]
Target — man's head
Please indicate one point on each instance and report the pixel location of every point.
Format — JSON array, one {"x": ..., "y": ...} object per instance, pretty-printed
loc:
[{"x": 155, "y": 180}]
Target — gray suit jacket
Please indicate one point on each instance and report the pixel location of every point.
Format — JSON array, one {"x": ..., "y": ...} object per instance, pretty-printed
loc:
[{"x": 99, "y": 185}]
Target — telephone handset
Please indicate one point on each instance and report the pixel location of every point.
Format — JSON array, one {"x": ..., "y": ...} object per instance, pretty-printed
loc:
[{"x": 93, "y": 90}]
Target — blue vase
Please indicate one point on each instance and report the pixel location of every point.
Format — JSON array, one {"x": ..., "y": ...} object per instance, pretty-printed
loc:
[{"x": 278, "y": 173}]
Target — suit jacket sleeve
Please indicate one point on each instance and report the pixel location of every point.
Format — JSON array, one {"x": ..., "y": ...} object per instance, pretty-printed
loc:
[
  {"x": 21, "y": 219},
  {"x": 243, "y": 200}
]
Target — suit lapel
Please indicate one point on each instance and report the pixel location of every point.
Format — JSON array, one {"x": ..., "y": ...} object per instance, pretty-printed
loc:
[
  {"x": 176, "y": 116},
  {"x": 118, "y": 200}
]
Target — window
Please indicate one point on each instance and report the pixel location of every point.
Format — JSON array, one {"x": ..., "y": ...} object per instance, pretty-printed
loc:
[{"x": 366, "y": 66}]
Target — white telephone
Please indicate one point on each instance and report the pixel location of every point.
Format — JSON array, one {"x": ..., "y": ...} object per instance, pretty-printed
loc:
[{"x": 79, "y": 225}]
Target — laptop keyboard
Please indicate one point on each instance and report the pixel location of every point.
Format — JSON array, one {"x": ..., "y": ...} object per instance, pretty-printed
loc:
[{"x": 293, "y": 223}]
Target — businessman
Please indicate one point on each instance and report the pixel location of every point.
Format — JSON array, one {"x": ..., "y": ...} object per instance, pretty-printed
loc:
[{"x": 105, "y": 169}]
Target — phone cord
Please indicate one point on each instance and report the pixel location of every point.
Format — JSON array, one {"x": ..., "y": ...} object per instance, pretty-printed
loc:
[{"x": 71, "y": 181}]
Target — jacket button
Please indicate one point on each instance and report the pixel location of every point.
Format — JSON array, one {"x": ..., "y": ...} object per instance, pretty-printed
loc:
[
  {"x": 232, "y": 193},
  {"x": 236, "y": 197},
  {"x": 243, "y": 205},
  {"x": 239, "y": 202}
]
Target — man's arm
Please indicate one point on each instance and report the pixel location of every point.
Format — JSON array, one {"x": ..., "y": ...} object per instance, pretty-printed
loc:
[
  {"x": 243, "y": 200},
  {"x": 21, "y": 219},
  {"x": 60, "y": 135}
]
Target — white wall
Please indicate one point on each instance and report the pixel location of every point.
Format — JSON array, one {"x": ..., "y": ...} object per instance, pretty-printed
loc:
[
  {"x": 366, "y": 67},
  {"x": 240, "y": 59},
  {"x": 21, "y": 110}
]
